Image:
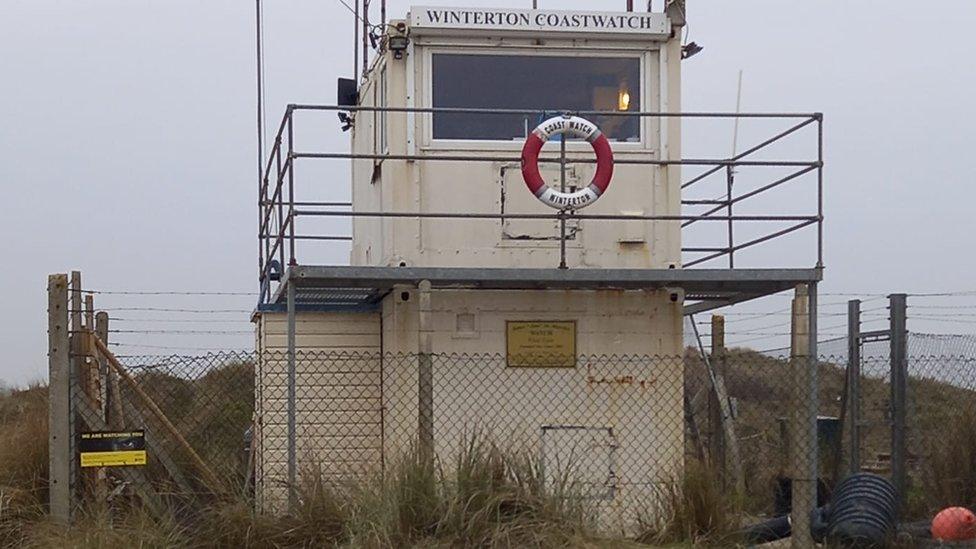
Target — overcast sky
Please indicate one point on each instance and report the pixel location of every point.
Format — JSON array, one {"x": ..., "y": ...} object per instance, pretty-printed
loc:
[{"x": 127, "y": 142}]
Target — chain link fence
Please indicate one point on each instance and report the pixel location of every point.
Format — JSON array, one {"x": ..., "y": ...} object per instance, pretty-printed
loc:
[{"x": 622, "y": 429}]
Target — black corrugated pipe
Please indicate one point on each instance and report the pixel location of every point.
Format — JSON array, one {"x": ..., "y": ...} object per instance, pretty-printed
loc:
[
  {"x": 781, "y": 527},
  {"x": 861, "y": 515},
  {"x": 862, "y": 512}
]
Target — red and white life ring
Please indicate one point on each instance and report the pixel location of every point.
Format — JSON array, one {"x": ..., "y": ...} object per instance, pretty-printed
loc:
[{"x": 577, "y": 127}]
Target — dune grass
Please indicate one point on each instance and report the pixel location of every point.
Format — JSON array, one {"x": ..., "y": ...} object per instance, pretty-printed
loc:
[
  {"x": 485, "y": 497},
  {"x": 694, "y": 510},
  {"x": 23, "y": 462}
]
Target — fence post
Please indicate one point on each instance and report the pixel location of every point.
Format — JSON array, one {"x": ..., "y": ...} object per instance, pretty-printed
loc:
[
  {"x": 59, "y": 405},
  {"x": 803, "y": 448},
  {"x": 899, "y": 389},
  {"x": 425, "y": 373},
  {"x": 854, "y": 383},
  {"x": 78, "y": 375},
  {"x": 716, "y": 428},
  {"x": 292, "y": 434},
  {"x": 115, "y": 417}
]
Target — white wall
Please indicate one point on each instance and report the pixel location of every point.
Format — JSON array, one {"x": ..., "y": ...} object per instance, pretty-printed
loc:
[
  {"x": 496, "y": 186},
  {"x": 631, "y": 385},
  {"x": 338, "y": 399}
]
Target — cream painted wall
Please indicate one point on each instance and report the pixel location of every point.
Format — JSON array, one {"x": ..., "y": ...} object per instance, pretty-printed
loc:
[
  {"x": 338, "y": 399},
  {"x": 638, "y": 400},
  {"x": 496, "y": 186}
]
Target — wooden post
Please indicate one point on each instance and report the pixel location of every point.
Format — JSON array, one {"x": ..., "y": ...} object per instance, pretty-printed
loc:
[
  {"x": 717, "y": 385},
  {"x": 96, "y": 392},
  {"x": 60, "y": 441},
  {"x": 717, "y": 433},
  {"x": 114, "y": 410},
  {"x": 207, "y": 475},
  {"x": 89, "y": 364},
  {"x": 801, "y": 445}
]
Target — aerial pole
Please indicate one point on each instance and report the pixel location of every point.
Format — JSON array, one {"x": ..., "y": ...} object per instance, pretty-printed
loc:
[
  {"x": 355, "y": 45},
  {"x": 365, "y": 37}
]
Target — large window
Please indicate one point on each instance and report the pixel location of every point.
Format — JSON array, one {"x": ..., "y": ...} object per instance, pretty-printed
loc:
[{"x": 546, "y": 84}]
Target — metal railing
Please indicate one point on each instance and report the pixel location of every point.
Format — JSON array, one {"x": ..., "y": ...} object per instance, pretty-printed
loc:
[{"x": 279, "y": 208}]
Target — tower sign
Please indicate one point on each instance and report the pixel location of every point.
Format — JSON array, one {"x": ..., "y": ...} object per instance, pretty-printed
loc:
[{"x": 539, "y": 21}]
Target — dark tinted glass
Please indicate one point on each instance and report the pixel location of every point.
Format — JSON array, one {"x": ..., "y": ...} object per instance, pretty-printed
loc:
[{"x": 545, "y": 84}]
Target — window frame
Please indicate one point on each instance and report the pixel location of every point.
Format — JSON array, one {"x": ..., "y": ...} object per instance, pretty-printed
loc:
[{"x": 646, "y": 75}]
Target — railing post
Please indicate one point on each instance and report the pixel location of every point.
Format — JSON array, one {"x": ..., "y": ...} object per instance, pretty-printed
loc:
[
  {"x": 562, "y": 213},
  {"x": 279, "y": 196},
  {"x": 291, "y": 189},
  {"x": 820, "y": 161},
  {"x": 729, "y": 180}
]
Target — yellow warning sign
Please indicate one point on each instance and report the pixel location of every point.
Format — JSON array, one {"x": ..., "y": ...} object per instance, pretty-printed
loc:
[
  {"x": 112, "y": 448},
  {"x": 113, "y": 459},
  {"x": 541, "y": 343}
]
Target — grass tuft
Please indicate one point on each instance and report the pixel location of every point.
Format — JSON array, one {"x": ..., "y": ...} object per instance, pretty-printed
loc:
[
  {"x": 694, "y": 509},
  {"x": 951, "y": 463}
]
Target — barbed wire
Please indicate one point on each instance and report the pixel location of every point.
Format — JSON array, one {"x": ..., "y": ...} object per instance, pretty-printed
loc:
[
  {"x": 166, "y": 310},
  {"x": 167, "y": 292},
  {"x": 178, "y": 320},
  {"x": 184, "y": 332},
  {"x": 964, "y": 293},
  {"x": 948, "y": 320},
  {"x": 167, "y": 347}
]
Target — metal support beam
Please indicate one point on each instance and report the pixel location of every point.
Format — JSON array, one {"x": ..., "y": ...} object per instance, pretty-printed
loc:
[
  {"x": 292, "y": 435},
  {"x": 899, "y": 390},
  {"x": 711, "y": 281},
  {"x": 813, "y": 398},
  {"x": 705, "y": 306},
  {"x": 425, "y": 372},
  {"x": 802, "y": 446}
]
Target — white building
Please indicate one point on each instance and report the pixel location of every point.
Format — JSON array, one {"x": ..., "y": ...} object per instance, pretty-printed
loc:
[{"x": 512, "y": 278}]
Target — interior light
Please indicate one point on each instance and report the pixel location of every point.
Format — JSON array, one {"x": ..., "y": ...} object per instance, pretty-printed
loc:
[{"x": 623, "y": 99}]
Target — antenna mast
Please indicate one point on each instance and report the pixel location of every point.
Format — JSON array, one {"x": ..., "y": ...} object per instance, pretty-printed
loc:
[{"x": 355, "y": 45}]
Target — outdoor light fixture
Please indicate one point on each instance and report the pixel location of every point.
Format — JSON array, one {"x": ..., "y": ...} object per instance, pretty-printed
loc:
[
  {"x": 346, "y": 120},
  {"x": 398, "y": 45},
  {"x": 690, "y": 49}
]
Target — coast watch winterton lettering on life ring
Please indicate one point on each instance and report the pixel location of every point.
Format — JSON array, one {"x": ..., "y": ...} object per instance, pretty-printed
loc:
[{"x": 577, "y": 127}]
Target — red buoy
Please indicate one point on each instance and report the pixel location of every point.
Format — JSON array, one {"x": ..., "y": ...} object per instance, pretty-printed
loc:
[{"x": 954, "y": 524}]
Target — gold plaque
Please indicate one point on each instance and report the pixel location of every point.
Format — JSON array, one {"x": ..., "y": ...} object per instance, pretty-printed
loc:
[{"x": 541, "y": 344}]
